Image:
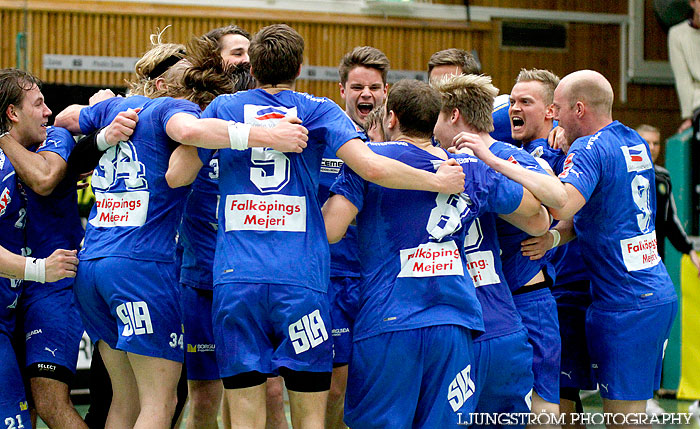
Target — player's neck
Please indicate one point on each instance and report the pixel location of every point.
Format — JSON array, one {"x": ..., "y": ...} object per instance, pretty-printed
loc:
[
  {"x": 274, "y": 89},
  {"x": 423, "y": 143}
]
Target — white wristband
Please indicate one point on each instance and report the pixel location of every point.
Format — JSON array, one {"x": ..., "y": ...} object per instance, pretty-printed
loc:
[
  {"x": 556, "y": 236},
  {"x": 102, "y": 144},
  {"x": 238, "y": 135},
  {"x": 35, "y": 270}
]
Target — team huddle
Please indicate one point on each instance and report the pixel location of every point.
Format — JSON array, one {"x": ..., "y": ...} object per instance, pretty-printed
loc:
[{"x": 473, "y": 267}]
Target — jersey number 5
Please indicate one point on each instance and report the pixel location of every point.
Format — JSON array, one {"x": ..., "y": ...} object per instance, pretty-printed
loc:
[{"x": 270, "y": 170}]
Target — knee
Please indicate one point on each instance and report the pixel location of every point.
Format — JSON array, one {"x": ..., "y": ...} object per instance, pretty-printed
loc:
[
  {"x": 205, "y": 399},
  {"x": 50, "y": 396}
]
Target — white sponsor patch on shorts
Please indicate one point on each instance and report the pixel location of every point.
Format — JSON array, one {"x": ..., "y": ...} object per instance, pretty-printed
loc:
[
  {"x": 481, "y": 268},
  {"x": 249, "y": 212},
  {"x": 120, "y": 209},
  {"x": 640, "y": 252},
  {"x": 430, "y": 260}
]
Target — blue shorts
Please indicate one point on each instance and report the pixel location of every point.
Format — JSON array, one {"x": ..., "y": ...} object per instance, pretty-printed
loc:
[
  {"x": 575, "y": 371},
  {"x": 538, "y": 309},
  {"x": 262, "y": 327},
  {"x": 627, "y": 349},
  {"x": 420, "y": 377},
  {"x": 10, "y": 292},
  {"x": 52, "y": 326},
  {"x": 200, "y": 351},
  {"x": 503, "y": 375},
  {"x": 132, "y": 305},
  {"x": 343, "y": 311},
  {"x": 14, "y": 412}
]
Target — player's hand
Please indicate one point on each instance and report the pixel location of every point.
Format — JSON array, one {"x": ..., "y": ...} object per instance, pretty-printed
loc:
[
  {"x": 557, "y": 138},
  {"x": 474, "y": 143},
  {"x": 61, "y": 264},
  {"x": 685, "y": 125},
  {"x": 122, "y": 127},
  {"x": 450, "y": 177},
  {"x": 695, "y": 260},
  {"x": 289, "y": 136},
  {"x": 100, "y": 95},
  {"x": 82, "y": 180},
  {"x": 536, "y": 247}
]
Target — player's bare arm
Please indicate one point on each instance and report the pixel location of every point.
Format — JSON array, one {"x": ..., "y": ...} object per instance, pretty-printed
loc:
[
  {"x": 338, "y": 213},
  {"x": 211, "y": 133},
  {"x": 573, "y": 204},
  {"x": 183, "y": 166},
  {"x": 40, "y": 171},
  {"x": 536, "y": 247},
  {"x": 449, "y": 178},
  {"x": 548, "y": 189}
]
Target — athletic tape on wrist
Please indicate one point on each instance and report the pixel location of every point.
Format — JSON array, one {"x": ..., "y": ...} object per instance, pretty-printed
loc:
[
  {"x": 102, "y": 144},
  {"x": 556, "y": 236},
  {"x": 238, "y": 135},
  {"x": 35, "y": 270}
]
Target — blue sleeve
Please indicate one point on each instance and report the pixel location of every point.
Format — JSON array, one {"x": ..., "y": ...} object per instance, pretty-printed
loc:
[
  {"x": 173, "y": 107},
  {"x": 582, "y": 168},
  {"x": 351, "y": 186},
  {"x": 331, "y": 125},
  {"x": 59, "y": 141},
  {"x": 94, "y": 117},
  {"x": 504, "y": 195},
  {"x": 205, "y": 155}
]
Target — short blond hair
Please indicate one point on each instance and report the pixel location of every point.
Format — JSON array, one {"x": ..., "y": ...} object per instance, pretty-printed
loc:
[
  {"x": 548, "y": 80},
  {"x": 145, "y": 83},
  {"x": 473, "y": 95}
]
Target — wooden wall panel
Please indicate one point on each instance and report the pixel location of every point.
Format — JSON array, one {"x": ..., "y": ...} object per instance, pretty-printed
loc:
[{"x": 122, "y": 29}]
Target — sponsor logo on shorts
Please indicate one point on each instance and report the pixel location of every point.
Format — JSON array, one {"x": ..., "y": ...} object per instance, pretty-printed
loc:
[
  {"x": 636, "y": 157},
  {"x": 5, "y": 200},
  {"x": 135, "y": 317},
  {"x": 31, "y": 333},
  {"x": 53, "y": 352},
  {"x": 461, "y": 389},
  {"x": 640, "y": 252},
  {"x": 481, "y": 268},
  {"x": 120, "y": 209},
  {"x": 23, "y": 406},
  {"x": 249, "y": 212},
  {"x": 331, "y": 165},
  {"x": 308, "y": 332},
  {"x": 197, "y": 348},
  {"x": 340, "y": 331},
  {"x": 47, "y": 367},
  {"x": 430, "y": 260}
]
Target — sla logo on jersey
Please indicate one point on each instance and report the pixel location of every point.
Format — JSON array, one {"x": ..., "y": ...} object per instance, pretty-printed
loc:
[
  {"x": 135, "y": 317},
  {"x": 5, "y": 200},
  {"x": 249, "y": 212},
  {"x": 640, "y": 252},
  {"x": 461, "y": 389},
  {"x": 636, "y": 157},
  {"x": 308, "y": 332},
  {"x": 266, "y": 116},
  {"x": 481, "y": 268},
  {"x": 431, "y": 259}
]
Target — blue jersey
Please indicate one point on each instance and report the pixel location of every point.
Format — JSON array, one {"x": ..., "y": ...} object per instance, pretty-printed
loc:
[
  {"x": 482, "y": 251},
  {"x": 566, "y": 259},
  {"x": 501, "y": 120},
  {"x": 53, "y": 221},
  {"x": 518, "y": 269},
  {"x": 13, "y": 213},
  {"x": 101, "y": 114},
  {"x": 413, "y": 270},
  {"x": 270, "y": 225},
  {"x": 136, "y": 213},
  {"x": 199, "y": 226},
  {"x": 613, "y": 171},
  {"x": 345, "y": 256}
]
